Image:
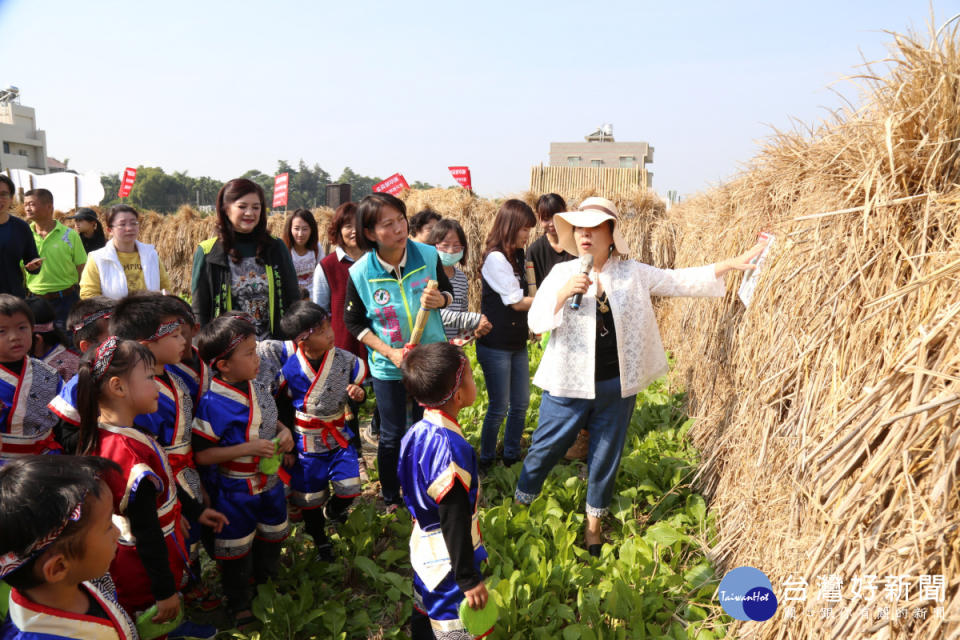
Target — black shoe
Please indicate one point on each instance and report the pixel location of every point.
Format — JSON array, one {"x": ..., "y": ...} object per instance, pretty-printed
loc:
[
  {"x": 509, "y": 462},
  {"x": 339, "y": 518},
  {"x": 325, "y": 552},
  {"x": 484, "y": 466},
  {"x": 594, "y": 550}
]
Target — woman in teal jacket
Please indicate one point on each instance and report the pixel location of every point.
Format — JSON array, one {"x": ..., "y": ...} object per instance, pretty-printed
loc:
[{"x": 385, "y": 291}]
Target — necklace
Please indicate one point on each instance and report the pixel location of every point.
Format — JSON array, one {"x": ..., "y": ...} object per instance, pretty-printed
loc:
[{"x": 602, "y": 302}]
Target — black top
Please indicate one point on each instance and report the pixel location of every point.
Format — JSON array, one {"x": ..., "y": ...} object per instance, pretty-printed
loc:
[
  {"x": 544, "y": 258},
  {"x": 607, "y": 361},
  {"x": 509, "y": 332},
  {"x": 355, "y": 312},
  {"x": 456, "y": 518},
  {"x": 16, "y": 247},
  {"x": 94, "y": 242}
]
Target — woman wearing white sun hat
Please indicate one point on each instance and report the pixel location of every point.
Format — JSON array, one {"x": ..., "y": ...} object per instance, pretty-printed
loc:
[{"x": 615, "y": 340}]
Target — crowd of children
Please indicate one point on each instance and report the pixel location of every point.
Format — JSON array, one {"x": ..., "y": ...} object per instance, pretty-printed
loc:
[{"x": 117, "y": 467}]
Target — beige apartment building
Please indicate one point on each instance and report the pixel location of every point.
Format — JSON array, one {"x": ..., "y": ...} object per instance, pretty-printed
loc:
[
  {"x": 23, "y": 145},
  {"x": 600, "y": 150}
]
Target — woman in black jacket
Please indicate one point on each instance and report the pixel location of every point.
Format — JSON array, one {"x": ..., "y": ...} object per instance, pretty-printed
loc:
[{"x": 243, "y": 268}]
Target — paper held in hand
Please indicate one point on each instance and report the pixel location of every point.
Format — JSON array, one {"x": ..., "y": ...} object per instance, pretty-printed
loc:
[{"x": 750, "y": 280}]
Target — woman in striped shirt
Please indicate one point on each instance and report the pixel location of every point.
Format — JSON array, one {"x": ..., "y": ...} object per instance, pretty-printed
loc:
[{"x": 459, "y": 324}]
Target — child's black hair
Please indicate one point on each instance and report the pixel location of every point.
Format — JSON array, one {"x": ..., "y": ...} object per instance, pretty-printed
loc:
[
  {"x": 43, "y": 314},
  {"x": 302, "y": 315},
  {"x": 127, "y": 356},
  {"x": 37, "y": 495},
  {"x": 179, "y": 307},
  {"x": 430, "y": 372},
  {"x": 80, "y": 315},
  {"x": 139, "y": 315},
  {"x": 214, "y": 340},
  {"x": 12, "y": 305}
]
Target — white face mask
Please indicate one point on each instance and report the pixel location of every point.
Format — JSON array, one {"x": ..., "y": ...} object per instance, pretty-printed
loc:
[{"x": 450, "y": 259}]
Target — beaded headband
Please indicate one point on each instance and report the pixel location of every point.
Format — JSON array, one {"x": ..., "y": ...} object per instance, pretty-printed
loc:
[
  {"x": 90, "y": 318},
  {"x": 104, "y": 357},
  {"x": 11, "y": 561},
  {"x": 43, "y": 328},
  {"x": 164, "y": 330},
  {"x": 453, "y": 390},
  {"x": 233, "y": 344}
]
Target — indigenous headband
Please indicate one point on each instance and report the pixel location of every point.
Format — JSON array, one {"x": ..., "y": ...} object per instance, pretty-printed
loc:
[
  {"x": 104, "y": 357},
  {"x": 164, "y": 330},
  {"x": 456, "y": 385},
  {"x": 43, "y": 328},
  {"x": 11, "y": 561},
  {"x": 233, "y": 344},
  {"x": 304, "y": 335},
  {"x": 246, "y": 317},
  {"x": 90, "y": 318}
]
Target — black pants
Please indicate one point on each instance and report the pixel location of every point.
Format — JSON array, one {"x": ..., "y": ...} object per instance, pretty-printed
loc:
[{"x": 262, "y": 564}]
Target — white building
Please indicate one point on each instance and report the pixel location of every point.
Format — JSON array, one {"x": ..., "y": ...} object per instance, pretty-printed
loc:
[{"x": 23, "y": 145}]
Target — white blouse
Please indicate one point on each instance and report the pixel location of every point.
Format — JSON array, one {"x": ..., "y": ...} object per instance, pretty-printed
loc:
[
  {"x": 629, "y": 286},
  {"x": 499, "y": 274}
]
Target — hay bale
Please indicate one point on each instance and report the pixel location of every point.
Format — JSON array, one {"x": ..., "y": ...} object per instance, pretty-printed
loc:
[{"x": 829, "y": 407}]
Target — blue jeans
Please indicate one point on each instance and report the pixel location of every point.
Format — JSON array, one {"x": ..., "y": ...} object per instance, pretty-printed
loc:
[
  {"x": 507, "y": 374},
  {"x": 394, "y": 422},
  {"x": 606, "y": 417}
]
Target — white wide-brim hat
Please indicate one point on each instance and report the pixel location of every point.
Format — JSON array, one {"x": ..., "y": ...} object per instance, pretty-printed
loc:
[{"x": 592, "y": 212}]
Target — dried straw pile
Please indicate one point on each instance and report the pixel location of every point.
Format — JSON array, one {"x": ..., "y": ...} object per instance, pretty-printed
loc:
[{"x": 828, "y": 410}]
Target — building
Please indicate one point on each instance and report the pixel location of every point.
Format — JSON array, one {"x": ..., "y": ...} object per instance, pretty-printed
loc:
[
  {"x": 23, "y": 145},
  {"x": 600, "y": 150}
]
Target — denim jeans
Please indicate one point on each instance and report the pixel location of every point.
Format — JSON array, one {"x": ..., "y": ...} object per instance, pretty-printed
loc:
[
  {"x": 507, "y": 374},
  {"x": 606, "y": 417},
  {"x": 61, "y": 309},
  {"x": 392, "y": 403}
]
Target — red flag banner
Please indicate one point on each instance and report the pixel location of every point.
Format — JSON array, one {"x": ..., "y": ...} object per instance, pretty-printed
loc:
[
  {"x": 126, "y": 184},
  {"x": 462, "y": 175},
  {"x": 392, "y": 185},
  {"x": 280, "y": 190}
]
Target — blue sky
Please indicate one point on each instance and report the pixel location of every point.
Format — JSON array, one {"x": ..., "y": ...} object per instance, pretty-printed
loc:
[{"x": 216, "y": 88}]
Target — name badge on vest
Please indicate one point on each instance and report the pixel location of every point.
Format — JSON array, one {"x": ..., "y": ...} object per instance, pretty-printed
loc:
[{"x": 381, "y": 296}]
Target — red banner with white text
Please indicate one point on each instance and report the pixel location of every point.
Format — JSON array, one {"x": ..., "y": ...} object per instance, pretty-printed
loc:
[
  {"x": 280, "y": 190},
  {"x": 462, "y": 176},
  {"x": 126, "y": 183},
  {"x": 392, "y": 185}
]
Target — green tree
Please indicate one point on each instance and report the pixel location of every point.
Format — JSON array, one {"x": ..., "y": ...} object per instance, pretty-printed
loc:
[
  {"x": 111, "y": 185},
  {"x": 262, "y": 179},
  {"x": 360, "y": 186},
  {"x": 156, "y": 190}
]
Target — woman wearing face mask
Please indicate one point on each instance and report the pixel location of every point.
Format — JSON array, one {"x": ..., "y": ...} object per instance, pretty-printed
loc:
[
  {"x": 243, "y": 268},
  {"x": 124, "y": 264},
  {"x": 458, "y": 323}
]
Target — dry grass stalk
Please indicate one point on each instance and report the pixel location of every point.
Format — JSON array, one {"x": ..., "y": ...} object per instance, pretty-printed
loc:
[{"x": 829, "y": 407}]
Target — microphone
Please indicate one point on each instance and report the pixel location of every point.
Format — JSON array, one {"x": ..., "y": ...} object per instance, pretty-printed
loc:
[{"x": 586, "y": 264}]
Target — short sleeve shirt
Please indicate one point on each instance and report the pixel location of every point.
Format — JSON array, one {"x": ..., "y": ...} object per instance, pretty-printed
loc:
[{"x": 62, "y": 252}]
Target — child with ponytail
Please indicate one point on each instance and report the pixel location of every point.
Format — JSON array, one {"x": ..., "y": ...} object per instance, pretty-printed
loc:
[{"x": 116, "y": 382}]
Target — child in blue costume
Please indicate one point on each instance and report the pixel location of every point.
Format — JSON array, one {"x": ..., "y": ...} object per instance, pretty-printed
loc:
[
  {"x": 235, "y": 424},
  {"x": 56, "y": 544},
  {"x": 27, "y": 385},
  {"x": 317, "y": 380},
  {"x": 438, "y": 475},
  {"x": 89, "y": 321}
]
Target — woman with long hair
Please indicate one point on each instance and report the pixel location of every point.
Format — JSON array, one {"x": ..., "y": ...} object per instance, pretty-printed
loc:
[
  {"x": 243, "y": 267},
  {"x": 302, "y": 238},
  {"x": 502, "y": 352}
]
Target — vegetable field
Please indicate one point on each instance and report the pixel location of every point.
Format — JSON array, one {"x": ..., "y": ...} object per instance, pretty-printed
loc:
[{"x": 652, "y": 581}]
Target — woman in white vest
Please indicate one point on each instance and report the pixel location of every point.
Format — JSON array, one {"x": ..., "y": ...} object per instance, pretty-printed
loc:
[{"x": 125, "y": 264}]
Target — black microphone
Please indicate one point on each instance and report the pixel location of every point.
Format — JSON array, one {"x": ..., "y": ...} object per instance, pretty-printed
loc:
[{"x": 586, "y": 264}]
